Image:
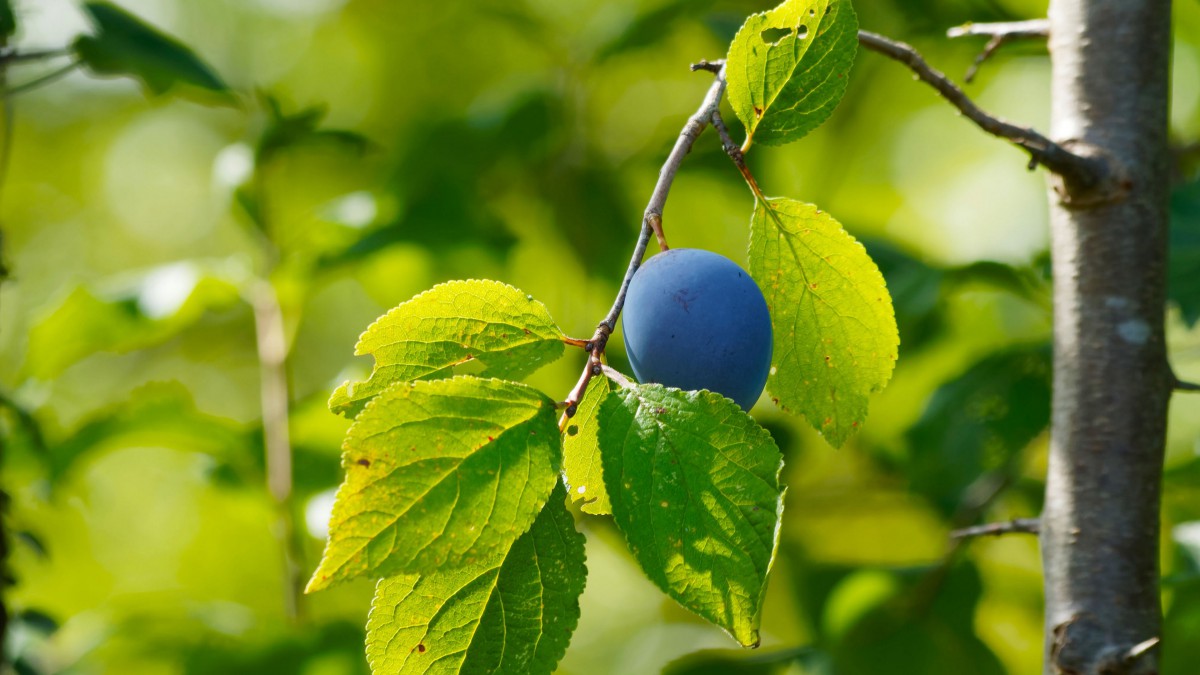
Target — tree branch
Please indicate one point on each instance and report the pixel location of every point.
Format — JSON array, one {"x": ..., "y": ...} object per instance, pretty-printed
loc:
[
  {"x": 1001, "y": 33},
  {"x": 1080, "y": 171},
  {"x": 651, "y": 224},
  {"x": 1033, "y": 28},
  {"x": 10, "y": 55},
  {"x": 1181, "y": 385},
  {"x": 1016, "y": 525},
  {"x": 43, "y": 80}
]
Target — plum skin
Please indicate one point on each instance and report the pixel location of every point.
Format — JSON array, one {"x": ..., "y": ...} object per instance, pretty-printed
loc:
[{"x": 694, "y": 319}]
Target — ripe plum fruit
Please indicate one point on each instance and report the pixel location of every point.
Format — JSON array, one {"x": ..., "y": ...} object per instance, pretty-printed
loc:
[{"x": 694, "y": 319}]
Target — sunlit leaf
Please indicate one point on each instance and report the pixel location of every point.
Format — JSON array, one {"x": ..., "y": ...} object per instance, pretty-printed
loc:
[
  {"x": 512, "y": 614},
  {"x": 440, "y": 473},
  {"x": 694, "y": 484},
  {"x": 787, "y": 68},
  {"x": 506, "y": 331},
  {"x": 835, "y": 332},
  {"x": 581, "y": 451},
  {"x": 125, "y": 45}
]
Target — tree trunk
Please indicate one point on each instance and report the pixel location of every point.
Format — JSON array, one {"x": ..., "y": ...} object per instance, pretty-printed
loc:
[{"x": 1100, "y": 525}]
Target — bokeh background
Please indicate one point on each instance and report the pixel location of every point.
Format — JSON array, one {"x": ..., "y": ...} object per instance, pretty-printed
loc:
[{"x": 518, "y": 140}]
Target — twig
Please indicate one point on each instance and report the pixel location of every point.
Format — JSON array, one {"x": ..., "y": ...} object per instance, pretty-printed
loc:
[
  {"x": 271, "y": 341},
  {"x": 1033, "y": 28},
  {"x": 1084, "y": 172},
  {"x": 10, "y": 55},
  {"x": 1180, "y": 385},
  {"x": 735, "y": 153},
  {"x": 43, "y": 80},
  {"x": 651, "y": 223},
  {"x": 1137, "y": 651},
  {"x": 1001, "y": 33},
  {"x": 1016, "y": 525}
]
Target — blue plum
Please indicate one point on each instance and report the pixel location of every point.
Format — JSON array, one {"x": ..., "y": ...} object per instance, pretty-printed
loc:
[{"x": 693, "y": 319}]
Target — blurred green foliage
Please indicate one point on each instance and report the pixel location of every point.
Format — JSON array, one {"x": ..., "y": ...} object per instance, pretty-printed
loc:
[{"x": 516, "y": 141}]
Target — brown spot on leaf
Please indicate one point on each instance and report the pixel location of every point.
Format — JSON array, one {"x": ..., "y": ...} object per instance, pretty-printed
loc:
[
  {"x": 363, "y": 462},
  {"x": 421, "y": 648},
  {"x": 757, "y": 111}
]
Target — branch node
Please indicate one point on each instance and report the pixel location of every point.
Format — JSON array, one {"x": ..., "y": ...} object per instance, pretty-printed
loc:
[{"x": 710, "y": 66}]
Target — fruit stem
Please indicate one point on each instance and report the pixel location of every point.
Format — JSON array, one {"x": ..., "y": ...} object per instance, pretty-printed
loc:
[{"x": 651, "y": 223}]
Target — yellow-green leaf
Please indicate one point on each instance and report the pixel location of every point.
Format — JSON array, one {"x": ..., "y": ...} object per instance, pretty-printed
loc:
[
  {"x": 581, "y": 451},
  {"x": 694, "y": 484},
  {"x": 787, "y": 69},
  {"x": 508, "y": 332},
  {"x": 512, "y": 614},
  {"x": 835, "y": 331},
  {"x": 441, "y": 473}
]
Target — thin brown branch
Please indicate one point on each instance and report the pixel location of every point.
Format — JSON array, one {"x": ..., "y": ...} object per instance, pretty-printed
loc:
[
  {"x": 1001, "y": 33},
  {"x": 1016, "y": 525},
  {"x": 735, "y": 153},
  {"x": 1077, "y": 170},
  {"x": 651, "y": 224}
]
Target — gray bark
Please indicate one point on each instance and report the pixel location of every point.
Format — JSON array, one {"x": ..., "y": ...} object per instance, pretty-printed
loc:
[{"x": 1100, "y": 524}]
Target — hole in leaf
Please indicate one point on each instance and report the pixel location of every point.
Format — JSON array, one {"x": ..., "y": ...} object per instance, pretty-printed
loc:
[
  {"x": 801, "y": 32},
  {"x": 572, "y": 430},
  {"x": 774, "y": 35}
]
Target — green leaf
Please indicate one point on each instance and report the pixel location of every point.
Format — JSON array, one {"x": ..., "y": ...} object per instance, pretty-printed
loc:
[
  {"x": 289, "y": 130},
  {"x": 1183, "y": 264},
  {"x": 787, "y": 68},
  {"x": 803, "y": 660},
  {"x": 440, "y": 473},
  {"x": 512, "y": 614},
  {"x": 8, "y": 20},
  {"x": 977, "y": 423},
  {"x": 835, "y": 332},
  {"x": 694, "y": 483},
  {"x": 508, "y": 332},
  {"x": 581, "y": 450},
  {"x": 125, "y": 45},
  {"x": 135, "y": 318},
  {"x": 156, "y": 414}
]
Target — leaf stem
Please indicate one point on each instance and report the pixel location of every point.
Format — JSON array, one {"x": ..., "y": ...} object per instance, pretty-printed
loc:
[{"x": 651, "y": 224}]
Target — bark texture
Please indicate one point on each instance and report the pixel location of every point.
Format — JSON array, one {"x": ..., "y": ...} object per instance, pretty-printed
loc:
[{"x": 1100, "y": 525}]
